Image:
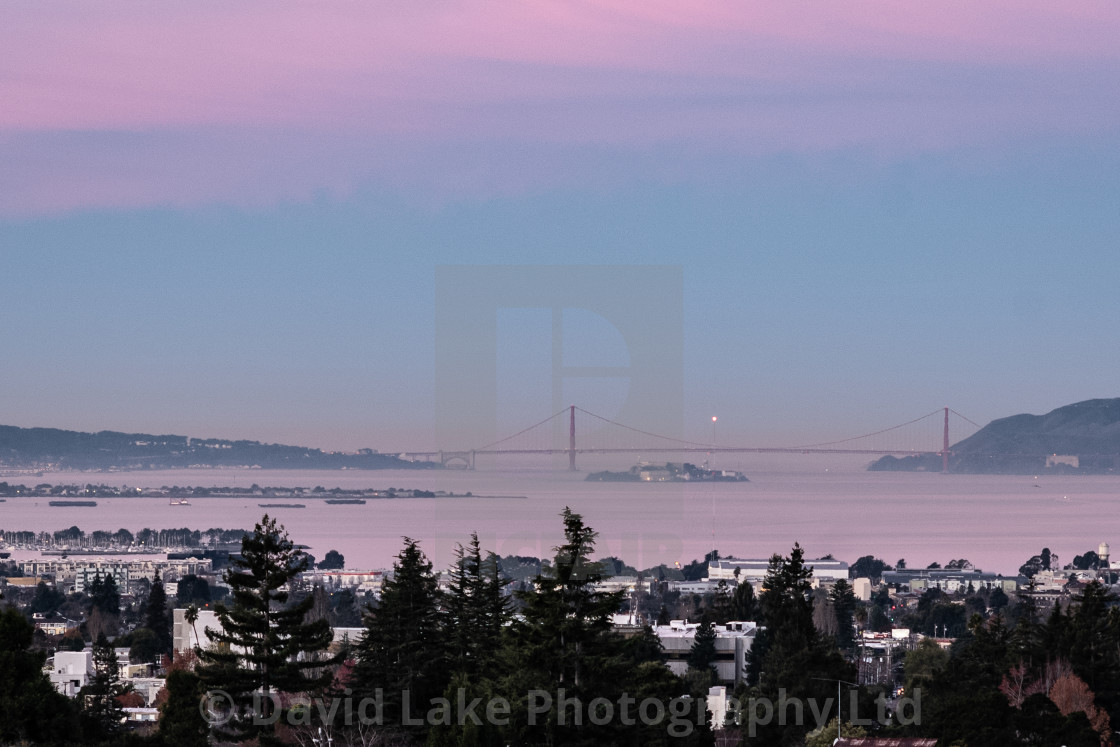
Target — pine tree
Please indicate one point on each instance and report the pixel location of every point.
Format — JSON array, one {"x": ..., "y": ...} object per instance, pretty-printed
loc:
[
  {"x": 743, "y": 605},
  {"x": 566, "y": 610},
  {"x": 155, "y": 615},
  {"x": 477, "y": 610},
  {"x": 721, "y": 604},
  {"x": 104, "y": 595},
  {"x": 33, "y": 711},
  {"x": 788, "y": 653},
  {"x": 702, "y": 655},
  {"x": 180, "y": 721},
  {"x": 101, "y": 712},
  {"x": 263, "y": 645},
  {"x": 403, "y": 650},
  {"x": 844, "y": 607},
  {"x": 1027, "y": 634},
  {"x": 564, "y": 638}
]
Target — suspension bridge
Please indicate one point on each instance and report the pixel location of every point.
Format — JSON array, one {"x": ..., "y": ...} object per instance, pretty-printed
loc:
[{"x": 925, "y": 435}]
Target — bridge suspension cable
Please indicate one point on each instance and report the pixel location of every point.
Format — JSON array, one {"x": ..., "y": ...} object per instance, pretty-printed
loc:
[
  {"x": 967, "y": 420},
  {"x": 645, "y": 433},
  {"x": 522, "y": 431},
  {"x": 874, "y": 433}
]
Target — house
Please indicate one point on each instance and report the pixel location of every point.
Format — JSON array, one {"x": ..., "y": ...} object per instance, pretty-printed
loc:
[
  {"x": 56, "y": 627},
  {"x": 71, "y": 670}
]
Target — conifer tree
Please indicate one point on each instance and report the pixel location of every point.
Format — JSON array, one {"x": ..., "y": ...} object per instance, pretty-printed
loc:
[
  {"x": 844, "y": 604},
  {"x": 263, "y": 645},
  {"x": 33, "y": 711},
  {"x": 101, "y": 712},
  {"x": 477, "y": 610},
  {"x": 403, "y": 652},
  {"x": 155, "y": 615},
  {"x": 788, "y": 653},
  {"x": 563, "y": 638},
  {"x": 702, "y": 655},
  {"x": 104, "y": 595},
  {"x": 722, "y": 604},
  {"x": 743, "y": 605},
  {"x": 1026, "y": 636},
  {"x": 180, "y": 721}
]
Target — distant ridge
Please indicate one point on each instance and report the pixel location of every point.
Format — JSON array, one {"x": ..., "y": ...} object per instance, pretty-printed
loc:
[
  {"x": 1080, "y": 438},
  {"x": 52, "y": 448}
]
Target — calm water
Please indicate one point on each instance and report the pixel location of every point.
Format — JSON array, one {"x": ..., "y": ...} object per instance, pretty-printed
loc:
[{"x": 827, "y": 504}]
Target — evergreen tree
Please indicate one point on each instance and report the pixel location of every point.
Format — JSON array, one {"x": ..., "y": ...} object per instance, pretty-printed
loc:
[
  {"x": 786, "y": 609},
  {"x": 180, "y": 721},
  {"x": 564, "y": 640},
  {"x": 101, "y": 711},
  {"x": 743, "y": 605},
  {"x": 477, "y": 611},
  {"x": 47, "y": 599},
  {"x": 964, "y": 701},
  {"x": 1026, "y": 636},
  {"x": 155, "y": 615},
  {"x": 844, "y": 604},
  {"x": 721, "y": 611},
  {"x": 263, "y": 645},
  {"x": 104, "y": 595},
  {"x": 32, "y": 710},
  {"x": 1092, "y": 644},
  {"x": 1055, "y": 633},
  {"x": 702, "y": 654},
  {"x": 403, "y": 650},
  {"x": 788, "y": 653}
]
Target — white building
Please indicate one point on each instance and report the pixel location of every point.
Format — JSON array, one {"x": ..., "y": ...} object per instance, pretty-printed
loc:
[
  {"x": 733, "y": 643},
  {"x": 86, "y": 575},
  {"x": 184, "y": 636},
  {"x": 355, "y": 580},
  {"x": 703, "y": 586},
  {"x": 71, "y": 670},
  {"x": 76, "y": 573},
  {"x": 826, "y": 570},
  {"x": 617, "y": 583}
]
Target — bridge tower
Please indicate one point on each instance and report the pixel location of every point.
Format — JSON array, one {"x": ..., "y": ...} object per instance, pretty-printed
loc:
[
  {"x": 572, "y": 439},
  {"x": 945, "y": 445}
]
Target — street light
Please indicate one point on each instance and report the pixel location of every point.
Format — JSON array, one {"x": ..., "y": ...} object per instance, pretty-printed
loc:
[{"x": 838, "y": 683}]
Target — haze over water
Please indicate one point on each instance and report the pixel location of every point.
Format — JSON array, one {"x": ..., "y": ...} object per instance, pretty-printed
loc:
[{"x": 828, "y": 504}]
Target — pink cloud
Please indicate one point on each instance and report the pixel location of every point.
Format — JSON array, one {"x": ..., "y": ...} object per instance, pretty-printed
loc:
[
  {"x": 252, "y": 103},
  {"x": 320, "y": 65}
]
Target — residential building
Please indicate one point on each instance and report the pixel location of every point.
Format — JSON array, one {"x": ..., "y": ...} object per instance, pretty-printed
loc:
[{"x": 71, "y": 670}]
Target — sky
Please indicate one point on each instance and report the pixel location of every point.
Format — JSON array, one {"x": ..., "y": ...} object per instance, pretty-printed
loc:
[{"x": 226, "y": 219}]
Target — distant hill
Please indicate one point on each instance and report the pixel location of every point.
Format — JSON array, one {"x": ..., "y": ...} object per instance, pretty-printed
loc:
[
  {"x": 51, "y": 448},
  {"x": 1078, "y": 438}
]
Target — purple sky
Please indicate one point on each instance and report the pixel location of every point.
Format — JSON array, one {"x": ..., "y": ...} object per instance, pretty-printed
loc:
[
  {"x": 122, "y": 105},
  {"x": 224, "y": 218}
]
